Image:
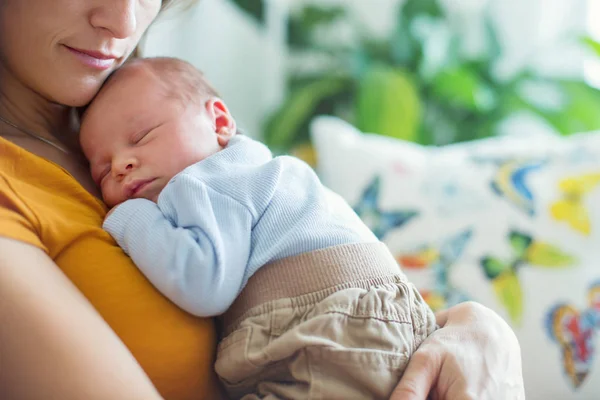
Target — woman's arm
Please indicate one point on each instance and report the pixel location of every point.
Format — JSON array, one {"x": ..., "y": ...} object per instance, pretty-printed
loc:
[
  {"x": 53, "y": 344},
  {"x": 474, "y": 355}
]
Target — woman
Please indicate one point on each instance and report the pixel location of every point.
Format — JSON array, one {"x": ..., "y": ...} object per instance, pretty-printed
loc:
[{"x": 77, "y": 319}]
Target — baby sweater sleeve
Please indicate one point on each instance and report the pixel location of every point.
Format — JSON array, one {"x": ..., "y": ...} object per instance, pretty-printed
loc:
[{"x": 193, "y": 244}]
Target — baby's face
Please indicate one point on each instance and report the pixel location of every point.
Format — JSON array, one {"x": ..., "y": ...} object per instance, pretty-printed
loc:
[{"x": 136, "y": 138}]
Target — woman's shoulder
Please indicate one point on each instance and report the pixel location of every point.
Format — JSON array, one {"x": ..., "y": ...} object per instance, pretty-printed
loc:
[
  {"x": 35, "y": 195},
  {"x": 16, "y": 221},
  {"x": 24, "y": 169},
  {"x": 41, "y": 204}
]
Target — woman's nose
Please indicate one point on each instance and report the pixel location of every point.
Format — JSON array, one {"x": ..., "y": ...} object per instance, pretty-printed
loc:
[{"x": 116, "y": 16}]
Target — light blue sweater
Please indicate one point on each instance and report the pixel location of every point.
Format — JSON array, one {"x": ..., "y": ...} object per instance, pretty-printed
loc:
[{"x": 218, "y": 221}]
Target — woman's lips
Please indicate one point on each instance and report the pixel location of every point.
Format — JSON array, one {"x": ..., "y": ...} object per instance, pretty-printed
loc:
[{"x": 93, "y": 59}]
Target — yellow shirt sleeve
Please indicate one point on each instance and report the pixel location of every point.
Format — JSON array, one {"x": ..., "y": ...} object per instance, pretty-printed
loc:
[
  {"x": 13, "y": 222},
  {"x": 43, "y": 205}
]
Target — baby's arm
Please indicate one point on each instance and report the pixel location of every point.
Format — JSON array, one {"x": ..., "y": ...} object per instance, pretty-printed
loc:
[{"x": 193, "y": 245}]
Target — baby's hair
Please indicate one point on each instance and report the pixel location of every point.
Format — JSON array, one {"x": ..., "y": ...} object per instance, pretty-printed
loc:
[{"x": 180, "y": 79}]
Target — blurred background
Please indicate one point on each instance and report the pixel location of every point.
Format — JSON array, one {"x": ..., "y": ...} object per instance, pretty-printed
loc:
[
  {"x": 511, "y": 221},
  {"x": 428, "y": 71}
]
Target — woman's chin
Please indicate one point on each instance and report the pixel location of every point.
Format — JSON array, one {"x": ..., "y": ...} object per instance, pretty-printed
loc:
[
  {"x": 78, "y": 94},
  {"x": 73, "y": 87}
]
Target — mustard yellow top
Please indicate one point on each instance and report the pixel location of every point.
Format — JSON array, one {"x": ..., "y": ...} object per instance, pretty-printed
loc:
[{"x": 49, "y": 209}]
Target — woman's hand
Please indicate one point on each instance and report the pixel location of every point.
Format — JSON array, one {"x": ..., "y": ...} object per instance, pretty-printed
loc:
[{"x": 474, "y": 355}]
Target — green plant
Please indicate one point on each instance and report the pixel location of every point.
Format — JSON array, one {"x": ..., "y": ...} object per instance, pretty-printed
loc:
[{"x": 397, "y": 86}]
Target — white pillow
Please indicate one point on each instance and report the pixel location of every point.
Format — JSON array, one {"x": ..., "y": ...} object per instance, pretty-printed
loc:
[{"x": 511, "y": 222}]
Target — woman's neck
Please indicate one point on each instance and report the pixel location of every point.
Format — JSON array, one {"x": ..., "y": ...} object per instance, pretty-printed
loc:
[{"x": 28, "y": 110}]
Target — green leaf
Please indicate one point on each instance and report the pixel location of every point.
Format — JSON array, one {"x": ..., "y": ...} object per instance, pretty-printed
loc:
[
  {"x": 579, "y": 112},
  {"x": 302, "y": 24},
  {"x": 494, "y": 48},
  {"x": 284, "y": 126},
  {"x": 591, "y": 44},
  {"x": 405, "y": 49},
  {"x": 463, "y": 88},
  {"x": 254, "y": 8},
  {"x": 413, "y": 8},
  {"x": 388, "y": 103}
]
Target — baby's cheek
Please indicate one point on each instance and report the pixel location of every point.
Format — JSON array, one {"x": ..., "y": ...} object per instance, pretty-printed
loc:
[{"x": 109, "y": 194}]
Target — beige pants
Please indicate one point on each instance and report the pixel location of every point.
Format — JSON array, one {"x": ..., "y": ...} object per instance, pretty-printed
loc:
[{"x": 350, "y": 341}]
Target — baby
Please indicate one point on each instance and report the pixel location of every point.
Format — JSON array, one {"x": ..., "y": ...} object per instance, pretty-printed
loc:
[{"x": 312, "y": 304}]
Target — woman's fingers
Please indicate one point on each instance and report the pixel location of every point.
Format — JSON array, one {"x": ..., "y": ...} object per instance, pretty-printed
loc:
[
  {"x": 441, "y": 318},
  {"x": 474, "y": 354},
  {"x": 420, "y": 376}
]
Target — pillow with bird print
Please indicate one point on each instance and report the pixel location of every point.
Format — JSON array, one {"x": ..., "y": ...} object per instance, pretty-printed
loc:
[{"x": 512, "y": 222}]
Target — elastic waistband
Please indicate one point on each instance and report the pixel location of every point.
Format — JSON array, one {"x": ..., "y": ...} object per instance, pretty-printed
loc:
[{"x": 312, "y": 272}]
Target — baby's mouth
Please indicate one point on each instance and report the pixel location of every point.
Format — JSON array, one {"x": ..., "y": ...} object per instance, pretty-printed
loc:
[{"x": 135, "y": 188}]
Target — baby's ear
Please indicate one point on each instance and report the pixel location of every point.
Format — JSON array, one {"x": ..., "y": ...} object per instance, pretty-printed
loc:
[{"x": 225, "y": 126}]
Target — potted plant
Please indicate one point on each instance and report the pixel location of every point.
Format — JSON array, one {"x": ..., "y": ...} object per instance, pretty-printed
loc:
[{"x": 395, "y": 86}]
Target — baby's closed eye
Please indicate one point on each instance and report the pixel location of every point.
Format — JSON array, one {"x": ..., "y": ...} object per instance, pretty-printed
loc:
[{"x": 137, "y": 138}]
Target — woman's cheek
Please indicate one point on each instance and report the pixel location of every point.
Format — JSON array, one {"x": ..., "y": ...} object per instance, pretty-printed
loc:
[{"x": 149, "y": 10}]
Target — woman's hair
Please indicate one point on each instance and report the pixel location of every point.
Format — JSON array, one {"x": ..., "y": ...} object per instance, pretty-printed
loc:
[
  {"x": 182, "y": 4},
  {"x": 165, "y": 4}
]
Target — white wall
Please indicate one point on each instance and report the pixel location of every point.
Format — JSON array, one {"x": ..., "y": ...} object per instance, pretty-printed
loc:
[
  {"x": 242, "y": 60},
  {"x": 541, "y": 34},
  {"x": 246, "y": 62}
]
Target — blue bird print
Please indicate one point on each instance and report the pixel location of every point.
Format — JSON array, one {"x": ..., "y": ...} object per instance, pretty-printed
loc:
[
  {"x": 440, "y": 260},
  {"x": 379, "y": 221},
  {"x": 510, "y": 182}
]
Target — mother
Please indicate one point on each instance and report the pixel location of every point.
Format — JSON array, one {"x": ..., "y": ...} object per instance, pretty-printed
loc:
[{"x": 77, "y": 320}]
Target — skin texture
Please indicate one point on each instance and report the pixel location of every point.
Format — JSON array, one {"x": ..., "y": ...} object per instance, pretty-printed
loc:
[
  {"x": 111, "y": 27},
  {"x": 152, "y": 136},
  {"x": 474, "y": 356},
  {"x": 156, "y": 137},
  {"x": 48, "y": 325},
  {"x": 46, "y": 334},
  {"x": 45, "y": 318},
  {"x": 41, "y": 79}
]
